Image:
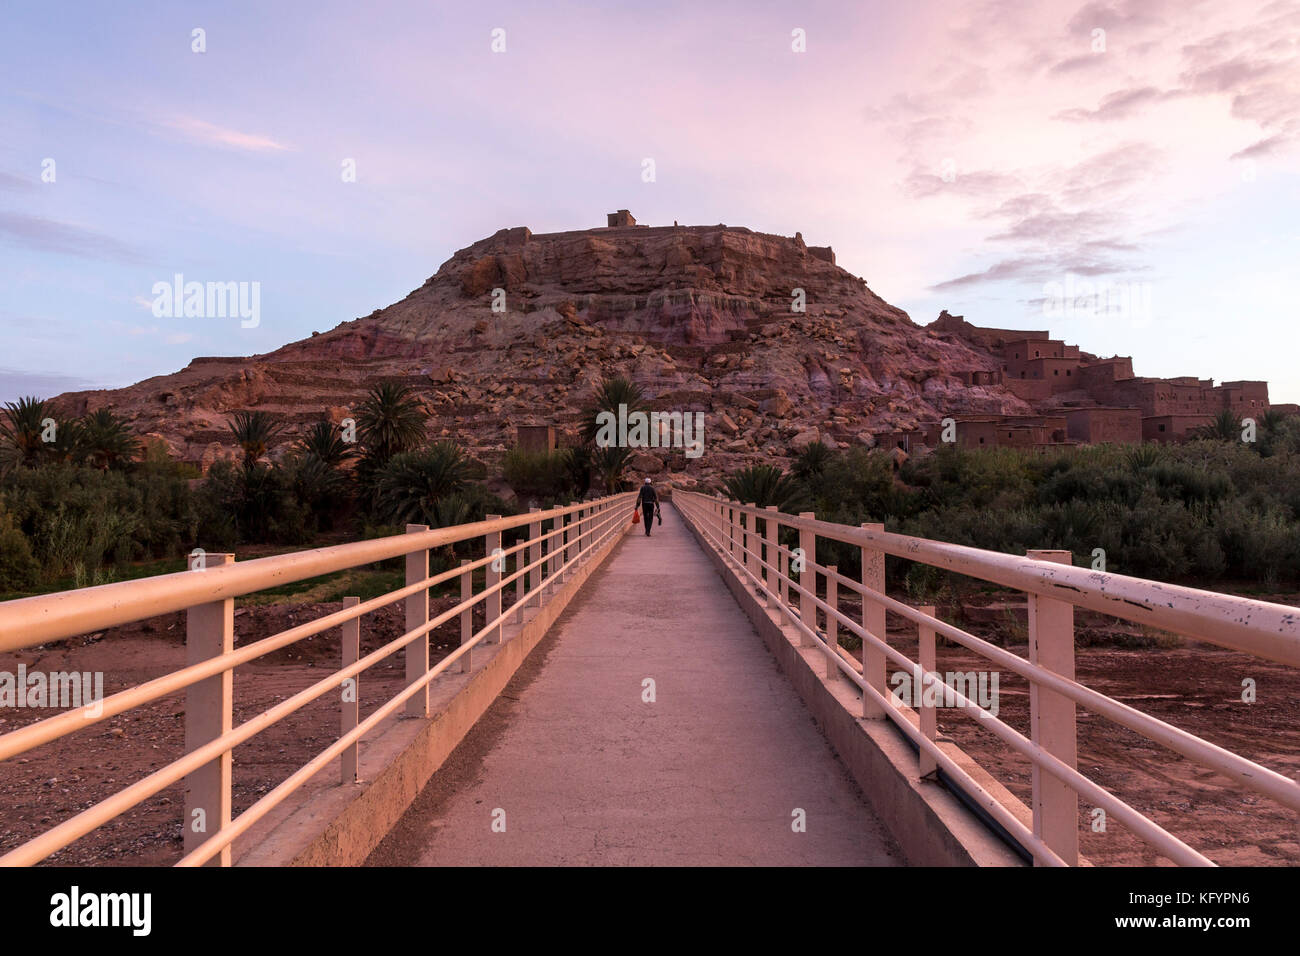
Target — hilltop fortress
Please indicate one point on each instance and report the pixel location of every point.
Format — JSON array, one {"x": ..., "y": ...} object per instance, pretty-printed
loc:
[{"x": 1079, "y": 398}]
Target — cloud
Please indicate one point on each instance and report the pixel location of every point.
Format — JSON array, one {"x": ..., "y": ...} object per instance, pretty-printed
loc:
[
  {"x": 10, "y": 181},
  {"x": 1117, "y": 105},
  {"x": 49, "y": 235},
  {"x": 920, "y": 184},
  {"x": 209, "y": 134}
]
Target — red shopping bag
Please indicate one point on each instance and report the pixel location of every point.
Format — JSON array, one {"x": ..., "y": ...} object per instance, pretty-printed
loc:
[{"x": 636, "y": 515}]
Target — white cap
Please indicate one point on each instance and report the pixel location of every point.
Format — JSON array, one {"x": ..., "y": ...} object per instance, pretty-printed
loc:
[{"x": 647, "y": 481}]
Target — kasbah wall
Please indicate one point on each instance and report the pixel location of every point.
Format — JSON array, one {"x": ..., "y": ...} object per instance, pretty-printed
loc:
[{"x": 1079, "y": 398}]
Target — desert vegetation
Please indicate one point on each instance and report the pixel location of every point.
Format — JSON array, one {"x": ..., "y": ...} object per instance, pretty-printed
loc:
[{"x": 1209, "y": 510}]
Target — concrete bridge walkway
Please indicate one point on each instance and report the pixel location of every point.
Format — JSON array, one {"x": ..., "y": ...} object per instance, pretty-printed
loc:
[{"x": 711, "y": 772}]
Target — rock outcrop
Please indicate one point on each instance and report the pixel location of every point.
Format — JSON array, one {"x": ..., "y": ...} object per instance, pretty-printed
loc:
[{"x": 703, "y": 317}]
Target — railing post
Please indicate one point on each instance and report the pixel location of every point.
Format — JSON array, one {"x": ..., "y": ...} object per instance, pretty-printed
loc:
[
  {"x": 351, "y": 711},
  {"x": 731, "y": 530},
  {"x": 492, "y": 607},
  {"x": 1052, "y": 717},
  {"x": 466, "y": 615},
  {"x": 929, "y": 715},
  {"x": 534, "y": 554},
  {"x": 771, "y": 532},
  {"x": 807, "y": 577},
  {"x": 553, "y": 552},
  {"x": 209, "y": 632},
  {"x": 873, "y": 621},
  {"x": 521, "y": 583},
  {"x": 751, "y": 540},
  {"x": 417, "y": 615},
  {"x": 832, "y": 624},
  {"x": 570, "y": 535}
]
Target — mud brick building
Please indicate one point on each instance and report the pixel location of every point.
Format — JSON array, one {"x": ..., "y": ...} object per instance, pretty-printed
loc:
[{"x": 1080, "y": 398}]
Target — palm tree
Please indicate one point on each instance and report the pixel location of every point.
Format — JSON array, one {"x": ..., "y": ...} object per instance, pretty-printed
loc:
[
  {"x": 1225, "y": 426},
  {"x": 106, "y": 440},
  {"x": 766, "y": 485},
  {"x": 577, "y": 467},
  {"x": 390, "y": 420},
  {"x": 413, "y": 482},
  {"x": 25, "y": 427},
  {"x": 254, "y": 432},
  {"x": 324, "y": 443},
  {"x": 609, "y": 464},
  {"x": 610, "y": 394},
  {"x": 812, "y": 461},
  {"x": 1270, "y": 419},
  {"x": 1143, "y": 456}
]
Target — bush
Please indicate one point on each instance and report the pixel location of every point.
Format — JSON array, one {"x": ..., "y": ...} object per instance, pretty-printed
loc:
[
  {"x": 538, "y": 474},
  {"x": 19, "y": 570}
]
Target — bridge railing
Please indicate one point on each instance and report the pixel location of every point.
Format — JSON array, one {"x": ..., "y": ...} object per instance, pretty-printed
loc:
[
  {"x": 554, "y": 542},
  {"x": 786, "y": 577}
]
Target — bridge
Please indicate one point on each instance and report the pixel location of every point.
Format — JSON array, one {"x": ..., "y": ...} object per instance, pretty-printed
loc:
[{"x": 695, "y": 700}]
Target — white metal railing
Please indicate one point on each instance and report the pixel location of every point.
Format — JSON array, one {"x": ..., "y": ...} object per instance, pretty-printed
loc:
[
  {"x": 1054, "y": 588},
  {"x": 573, "y": 535}
]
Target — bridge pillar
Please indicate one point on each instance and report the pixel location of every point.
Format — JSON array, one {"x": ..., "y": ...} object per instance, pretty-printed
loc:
[
  {"x": 417, "y": 615},
  {"x": 929, "y": 715},
  {"x": 209, "y": 632},
  {"x": 807, "y": 578},
  {"x": 534, "y": 554},
  {"x": 351, "y": 709},
  {"x": 873, "y": 622},
  {"x": 1052, "y": 717},
  {"x": 492, "y": 607},
  {"x": 771, "y": 531}
]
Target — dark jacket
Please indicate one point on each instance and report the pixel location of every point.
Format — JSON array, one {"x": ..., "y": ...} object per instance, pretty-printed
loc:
[{"x": 647, "y": 499}]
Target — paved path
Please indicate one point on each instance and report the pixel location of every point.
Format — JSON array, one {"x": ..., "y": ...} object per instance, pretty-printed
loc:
[{"x": 710, "y": 773}]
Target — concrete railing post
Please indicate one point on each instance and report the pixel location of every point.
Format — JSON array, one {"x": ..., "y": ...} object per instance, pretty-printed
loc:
[
  {"x": 570, "y": 535},
  {"x": 521, "y": 582},
  {"x": 873, "y": 621},
  {"x": 534, "y": 555},
  {"x": 771, "y": 533},
  {"x": 751, "y": 542},
  {"x": 209, "y": 632},
  {"x": 466, "y": 615},
  {"x": 925, "y": 656},
  {"x": 417, "y": 615},
  {"x": 494, "y": 568},
  {"x": 1052, "y": 718},
  {"x": 553, "y": 552},
  {"x": 351, "y": 711},
  {"x": 807, "y": 577},
  {"x": 832, "y": 624}
]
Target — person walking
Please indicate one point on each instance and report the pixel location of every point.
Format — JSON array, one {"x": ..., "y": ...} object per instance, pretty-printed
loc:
[{"x": 648, "y": 502}]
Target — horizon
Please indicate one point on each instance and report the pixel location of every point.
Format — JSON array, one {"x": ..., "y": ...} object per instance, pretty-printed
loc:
[{"x": 972, "y": 161}]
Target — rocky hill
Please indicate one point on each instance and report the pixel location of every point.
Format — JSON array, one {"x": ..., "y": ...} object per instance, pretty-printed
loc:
[{"x": 700, "y": 316}]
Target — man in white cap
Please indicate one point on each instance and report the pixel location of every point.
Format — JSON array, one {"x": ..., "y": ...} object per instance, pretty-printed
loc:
[{"x": 648, "y": 502}]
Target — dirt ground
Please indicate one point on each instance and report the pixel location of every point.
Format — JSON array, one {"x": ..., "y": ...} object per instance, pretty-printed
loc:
[
  {"x": 1194, "y": 687},
  {"x": 1197, "y": 689},
  {"x": 51, "y": 783}
]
